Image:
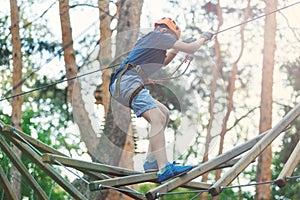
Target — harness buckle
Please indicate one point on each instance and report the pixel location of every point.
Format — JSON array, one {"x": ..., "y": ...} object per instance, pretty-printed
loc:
[{"x": 138, "y": 69}]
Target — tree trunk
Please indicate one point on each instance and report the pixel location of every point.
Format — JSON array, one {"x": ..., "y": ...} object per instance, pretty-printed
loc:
[
  {"x": 119, "y": 119},
  {"x": 16, "y": 117},
  {"x": 117, "y": 139},
  {"x": 105, "y": 52},
  {"x": 231, "y": 89},
  {"x": 264, "y": 161},
  {"x": 67, "y": 42},
  {"x": 128, "y": 27},
  {"x": 213, "y": 88},
  {"x": 80, "y": 113}
]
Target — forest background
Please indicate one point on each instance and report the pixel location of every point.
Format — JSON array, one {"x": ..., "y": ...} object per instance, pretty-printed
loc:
[{"x": 233, "y": 83}]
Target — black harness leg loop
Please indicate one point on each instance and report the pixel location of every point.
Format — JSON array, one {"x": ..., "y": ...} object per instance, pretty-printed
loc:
[{"x": 135, "y": 93}]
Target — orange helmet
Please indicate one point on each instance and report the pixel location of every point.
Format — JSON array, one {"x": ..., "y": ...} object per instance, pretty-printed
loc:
[{"x": 170, "y": 23}]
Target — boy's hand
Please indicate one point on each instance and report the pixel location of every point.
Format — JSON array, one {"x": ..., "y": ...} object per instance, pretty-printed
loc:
[{"x": 207, "y": 36}]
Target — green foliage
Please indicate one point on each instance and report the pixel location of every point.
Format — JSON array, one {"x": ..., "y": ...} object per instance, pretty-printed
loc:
[
  {"x": 293, "y": 72},
  {"x": 291, "y": 189},
  {"x": 30, "y": 126},
  {"x": 5, "y": 52},
  {"x": 290, "y": 139}
]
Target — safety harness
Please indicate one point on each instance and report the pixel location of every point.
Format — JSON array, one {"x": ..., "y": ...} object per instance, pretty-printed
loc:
[
  {"x": 145, "y": 79},
  {"x": 136, "y": 90}
]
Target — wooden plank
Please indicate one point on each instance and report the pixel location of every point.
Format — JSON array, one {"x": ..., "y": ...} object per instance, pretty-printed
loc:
[
  {"x": 289, "y": 167},
  {"x": 131, "y": 192},
  {"x": 197, "y": 185},
  {"x": 49, "y": 170},
  {"x": 8, "y": 190},
  {"x": 127, "y": 180},
  {"x": 203, "y": 168},
  {"x": 152, "y": 177},
  {"x": 91, "y": 166},
  {"x": 140, "y": 178},
  {"x": 22, "y": 169},
  {"x": 231, "y": 174}
]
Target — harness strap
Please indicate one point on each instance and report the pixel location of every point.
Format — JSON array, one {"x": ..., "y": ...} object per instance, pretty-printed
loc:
[
  {"x": 134, "y": 93},
  {"x": 117, "y": 91}
]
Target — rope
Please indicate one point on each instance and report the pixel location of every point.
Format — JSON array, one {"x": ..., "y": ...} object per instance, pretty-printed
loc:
[
  {"x": 60, "y": 164},
  {"x": 246, "y": 185},
  {"x": 224, "y": 187},
  {"x": 292, "y": 177},
  {"x": 51, "y": 189},
  {"x": 55, "y": 83},
  {"x": 261, "y": 16},
  {"x": 171, "y": 76},
  {"x": 26, "y": 142}
]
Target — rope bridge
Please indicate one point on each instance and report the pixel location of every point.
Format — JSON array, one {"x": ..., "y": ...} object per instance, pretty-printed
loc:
[{"x": 117, "y": 178}]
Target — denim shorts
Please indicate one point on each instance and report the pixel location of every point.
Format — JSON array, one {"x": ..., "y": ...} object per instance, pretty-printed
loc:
[{"x": 142, "y": 102}]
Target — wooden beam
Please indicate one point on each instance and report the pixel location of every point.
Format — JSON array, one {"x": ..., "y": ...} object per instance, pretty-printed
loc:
[
  {"x": 22, "y": 169},
  {"x": 203, "y": 168},
  {"x": 140, "y": 178},
  {"x": 231, "y": 174},
  {"x": 289, "y": 167},
  {"x": 8, "y": 190},
  {"x": 91, "y": 166},
  {"x": 127, "y": 180}
]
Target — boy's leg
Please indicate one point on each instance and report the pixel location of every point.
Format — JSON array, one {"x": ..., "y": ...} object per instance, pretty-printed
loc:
[
  {"x": 158, "y": 119},
  {"x": 166, "y": 113}
]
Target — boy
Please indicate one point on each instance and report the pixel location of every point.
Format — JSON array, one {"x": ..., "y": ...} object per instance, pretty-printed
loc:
[{"x": 127, "y": 87}]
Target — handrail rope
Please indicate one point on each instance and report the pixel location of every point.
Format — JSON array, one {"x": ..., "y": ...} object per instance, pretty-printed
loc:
[
  {"x": 55, "y": 83},
  {"x": 171, "y": 76},
  {"x": 75, "y": 174},
  {"x": 51, "y": 189},
  {"x": 246, "y": 185},
  {"x": 26, "y": 142},
  {"x": 292, "y": 177},
  {"x": 226, "y": 187},
  {"x": 85, "y": 74},
  {"x": 277, "y": 10},
  {"x": 261, "y": 16}
]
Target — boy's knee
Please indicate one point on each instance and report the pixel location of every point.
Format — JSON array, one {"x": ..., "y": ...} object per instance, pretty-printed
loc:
[{"x": 160, "y": 119}]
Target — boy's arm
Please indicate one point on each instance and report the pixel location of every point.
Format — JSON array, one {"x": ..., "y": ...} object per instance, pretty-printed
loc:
[
  {"x": 170, "y": 55},
  {"x": 187, "y": 46},
  {"x": 192, "y": 47}
]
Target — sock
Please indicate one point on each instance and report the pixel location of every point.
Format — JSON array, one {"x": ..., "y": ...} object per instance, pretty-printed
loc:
[{"x": 151, "y": 158}]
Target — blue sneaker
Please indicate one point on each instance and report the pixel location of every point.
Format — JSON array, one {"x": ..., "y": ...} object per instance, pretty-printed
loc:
[
  {"x": 171, "y": 170},
  {"x": 150, "y": 166}
]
